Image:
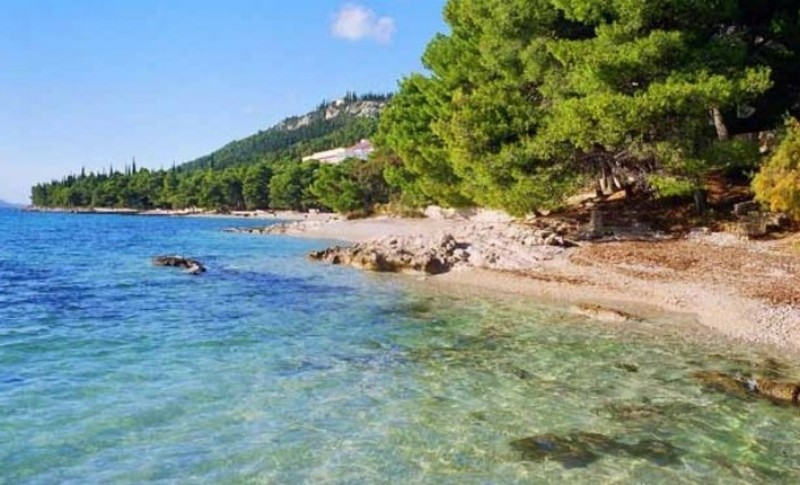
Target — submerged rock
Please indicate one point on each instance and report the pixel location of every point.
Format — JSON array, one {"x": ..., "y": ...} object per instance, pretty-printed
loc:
[
  {"x": 632, "y": 368},
  {"x": 604, "y": 314},
  {"x": 582, "y": 449},
  {"x": 778, "y": 391},
  {"x": 279, "y": 228},
  {"x": 645, "y": 411},
  {"x": 657, "y": 452},
  {"x": 722, "y": 382},
  {"x": 572, "y": 451},
  {"x": 246, "y": 230},
  {"x": 192, "y": 266},
  {"x": 781, "y": 392}
]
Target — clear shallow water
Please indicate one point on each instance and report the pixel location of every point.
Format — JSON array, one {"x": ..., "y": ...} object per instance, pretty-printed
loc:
[{"x": 269, "y": 369}]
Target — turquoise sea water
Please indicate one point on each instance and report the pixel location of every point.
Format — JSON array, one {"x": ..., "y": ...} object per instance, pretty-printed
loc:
[{"x": 271, "y": 369}]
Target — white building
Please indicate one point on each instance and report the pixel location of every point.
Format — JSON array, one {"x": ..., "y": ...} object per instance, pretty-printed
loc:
[
  {"x": 329, "y": 156},
  {"x": 360, "y": 150}
]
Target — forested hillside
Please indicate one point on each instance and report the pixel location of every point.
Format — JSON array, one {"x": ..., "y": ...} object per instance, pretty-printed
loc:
[
  {"x": 332, "y": 124},
  {"x": 259, "y": 172}
]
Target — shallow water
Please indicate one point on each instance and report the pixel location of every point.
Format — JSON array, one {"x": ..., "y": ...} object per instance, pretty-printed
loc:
[{"x": 270, "y": 369}]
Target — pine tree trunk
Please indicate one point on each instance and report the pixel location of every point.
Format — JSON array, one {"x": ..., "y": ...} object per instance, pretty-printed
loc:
[
  {"x": 719, "y": 123},
  {"x": 700, "y": 200},
  {"x": 603, "y": 180},
  {"x": 598, "y": 188}
]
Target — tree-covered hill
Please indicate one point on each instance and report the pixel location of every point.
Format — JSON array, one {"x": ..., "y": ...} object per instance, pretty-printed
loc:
[
  {"x": 259, "y": 172},
  {"x": 332, "y": 124}
]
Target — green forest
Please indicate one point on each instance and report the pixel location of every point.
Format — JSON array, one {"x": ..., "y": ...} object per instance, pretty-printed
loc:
[
  {"x": 523, "y": 103},
  {"x": 527, "y": 100},
  {"x": 352, "y": 186}
]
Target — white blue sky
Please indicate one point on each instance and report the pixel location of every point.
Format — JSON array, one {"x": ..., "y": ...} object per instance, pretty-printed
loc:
[{"x": 88, "y": 83}]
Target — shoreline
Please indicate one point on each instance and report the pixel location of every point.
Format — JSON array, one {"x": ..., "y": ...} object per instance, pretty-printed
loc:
[
  {"x": 279, "y": 215},
  {"x": 748, "y": 291},
  {"x": 709, "y": 316}
]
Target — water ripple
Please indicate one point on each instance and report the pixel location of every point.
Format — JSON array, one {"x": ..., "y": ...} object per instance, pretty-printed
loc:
[{"x": 271, "y": 369}]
